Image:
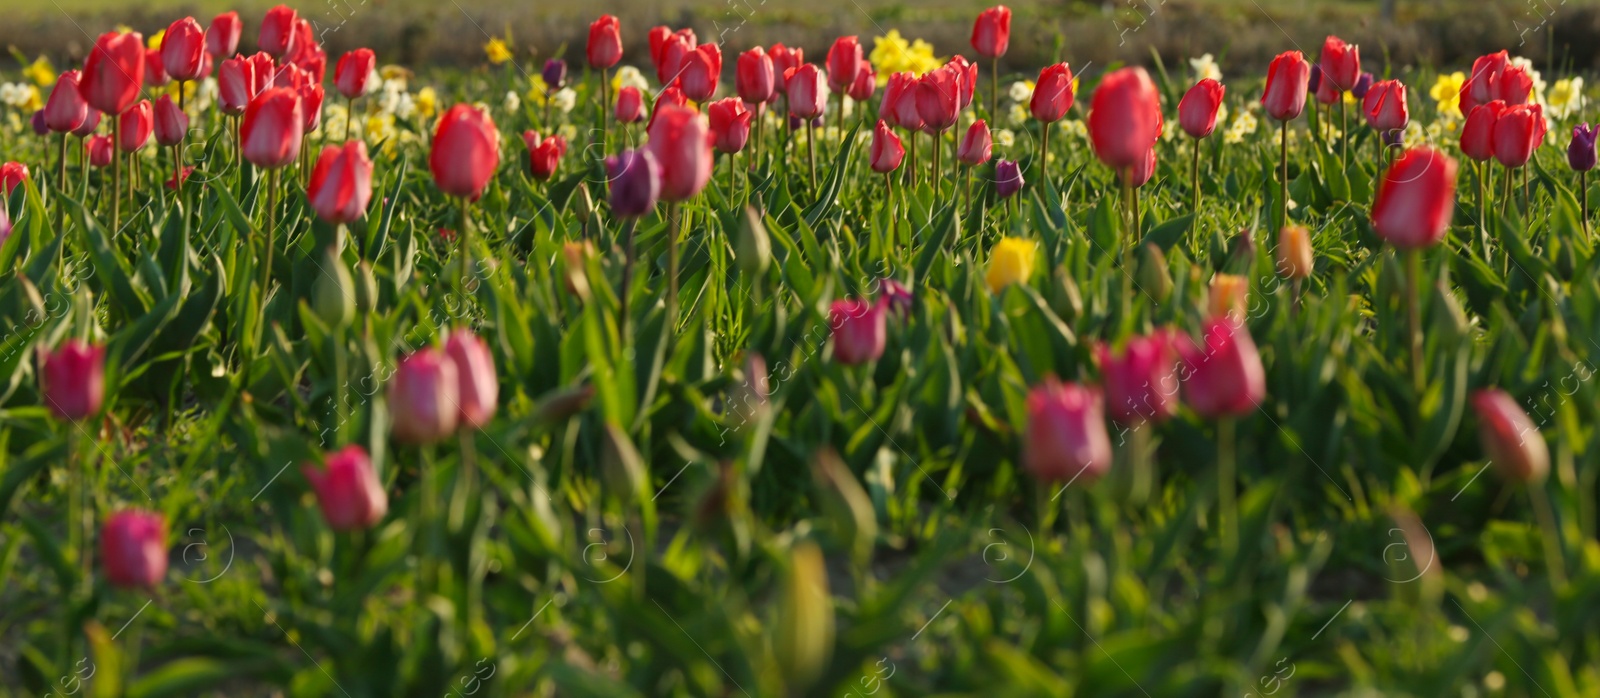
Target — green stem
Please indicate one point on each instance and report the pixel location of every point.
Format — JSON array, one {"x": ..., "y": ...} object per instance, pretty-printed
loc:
[
  {"x": 466, "y": 256},
  {"x": 1554, "y": 558},
  {"x": 1227, "y": 477},
  {"x": 672, "y": 264},
  {"x": 811, "y": 147},
  {"x": 1413, "y": 272},
  {"x": 116, "y": 173},
  {"x": 1196, "y": 172},
  {"x": 1283, "y": 176},
  {"x": 627, "y": 274}
]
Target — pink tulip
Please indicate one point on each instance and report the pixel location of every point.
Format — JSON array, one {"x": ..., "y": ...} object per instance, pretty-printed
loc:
[
  {"x": 1125, "y": 119},
  {"x": 341, "y": 183},
  {"x": 844, "y": 60},
  {"x": 630, "y": 105},
  {"x": 1223, "y": 377},
  {"x": 425, "y": 397},
  {"x": 806, "y": 91},
  {"x": 66, "y": 110},
  {"x": 977, "y": 146},
  {"x": 479, "y": 386},
  {"x": 753, "y": 76},
  {"x": 1141, "y": 382},
  {"x": 700, "y": 71},
  {"x": 183, "y": 50},
  {"x": 680, "y": 141},
  {"x": 730, "y": 124},
  {"x": 859, "y": 331},
  {"x": 136, "y": 125},
  {"x": 1197, "y": 111},
  {"x": 1066, "y": 438},
  {"x": 1285, "y": 94},
  {"x": 348, "y": 491},
  {"x": 939, "y": 98},
  {"x": 1052, "y": 94},
  {"x": 278, "y": 31},
  {"x": 222, "y": 37},
  {"x": 72, "y": 379},
  {"x": 465, "y": 152},
  {"x": 887, "y": 152},
  {"x": 269, "y": 136},
  {"x": 354, "y": 73},
  {"x": 1510, "y": 439},
  {"x": 133, "y": 548},
  {"x": 114, "y": 72},
  {"x": 171, "y": 124}
]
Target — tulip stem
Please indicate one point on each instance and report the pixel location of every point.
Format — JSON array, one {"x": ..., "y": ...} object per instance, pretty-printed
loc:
[
  {"x": 1196, "y": 172},
  {"x": 429, "y": 513},
  {"x": 938, "y": 159},
  {"x": 1483, "y": 209},
  {"x": 605, "y": 110},
  {"x": 1413, "y": 270},
  {"x": 116, "y": 173},
  {"x": 994, "y": 88},
  {"x": 911, "y": 171},
  {"x": 1583, "y": 191},
  {"x": 1554, "y": 558},
  {"x": 1344, "y": 134},
  {"x": 466, "y": 256},
  {"x": 1227, "y": 507},
  {"x": 80, "y": 521},
  {"x": 1283, "y": 176},
  {"x": 811, "y": 147},
  {"x": 1044, "y": 150},
  {"x": 672, "y": 266},
  {"x": 627, "y": 274}
]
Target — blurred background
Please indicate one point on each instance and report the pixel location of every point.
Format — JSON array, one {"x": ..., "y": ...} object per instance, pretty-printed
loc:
[{"x": 1558, "y": 35}]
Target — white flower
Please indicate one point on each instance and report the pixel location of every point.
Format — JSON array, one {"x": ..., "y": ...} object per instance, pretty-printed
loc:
[
  {"x": 15, "y": 94},
  {"x": 405, "y": 106},
  {"x": 1075, "y": 127},
  {"x": 333, "y": 117},
  {"x": 1246, "y": 123},
  {"x": 1020, "y": 92},
  {"x": 1018, "y": 115},
  {"x": 1566, "y": 98},
  {"x": 1004, "y": 138},
  {"x": 374, "y": 82},
  {"x": 568, "y": 132},
  {"x": 1537, "y": 96},
  {"x": 513, "y": 102},
  {"x": 207, "y": 95},
  {"x": 849, "y": 106},
  {"x": 1415, "y": 134},
  {"x": 629, "y": 76},
  {"x": 1169, "y": 129},
  {"x": 565, "y": 99},
  {"x": 1205, "y": 67}
]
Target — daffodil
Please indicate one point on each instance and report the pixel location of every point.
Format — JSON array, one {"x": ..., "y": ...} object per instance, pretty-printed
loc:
[
  {"x": 1446, "y": 93},
  {"x": 1010, "y": 262},
  {"x": 41, "y": 72},
  {"x": 154, "y": 42},
  {"x": 1205, "y": 67},
  {"x": 1565, "y": 98},
  {"x": 889, "y": 54},
  {"x": 629, "y": 76},
  {"x": 1004, "y": 138},
  {"x": 497, "y": 51},
  {"x": 539, "y": 90}
]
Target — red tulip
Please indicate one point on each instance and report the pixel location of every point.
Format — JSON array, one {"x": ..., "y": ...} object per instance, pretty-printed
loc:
[
  {"x": 966, "y": 75},
  {"x": 1477, "y": 135},
  {"x": 155, "y": 74},
  {"x": 278, "y": 31},
  {"x": 341, "y": 183},
  {"x": 1136, "y": 380},
  {"x": 133, "y": 548},
  {"x": 1197, "y": 111},
  {"x": 348, "y": 491},
  {"x": 1052, "y": 95},
  {"x": 991, "y": 33},
  {"x": 235, "y": 85},
  {"x": 222, "y": 37},
  {"x": 605, "y": 42},
  {"x": 680, "y": 141},
  {"x": 72, "y": 379},
  {"x": 183, "y": 49},
  {"x": 1125, "y": 118},
  {"x": 1516, "y": 85},
  {"x": 273, "y": 125},
  {"x": 90, "y": 123},
  {"x": 753, "y": 77},
  {"x": 859, "y": 331},
  {"x": 290, "y": 76},
  {"x": 544, "y": 154},
  {"x": 658, "y": 38},
  {"x": 784, "y": 59},
  {"x": 1414, "y": 202},
  {"x": 465, "y": 152},
  {"x": 100, "y": 150},
  {"x": 178, "y": 178},
  {"x": 352, "y": 76},
  {"x": 844, "y": 59},
  {"x": 1510, "y": 439},
  {"x": 1141, "y": 173},
  {"x": 1385, "y": 106},
  {"x": 977, "y": 146},
  {"x": 806, "y": 96},
  {"x": 1518, "y": 133},
  {"x": 114, "y": 72},
  {"x": 1285, "y": 94},
  {"x": 1483, "y": 85},
  {"x": 311, "y": 106},
  {"x": 479, "y": 387},
  {"x": 887, "y": 152},
  {"x": 866, "y": 83},
  {"x": 670, "y": 62},
  {"x": 670, "y": 96},
  {"x": 1066, "y": 437},
  {"x": 136, "y": 124},
  {"x": 66, "y": 110},
  {"x": 425, "y": 397},
  {"x": 899, "y": 105},
  {"x": 264, "y": 72},
  {"x": 730, "y": 124},
  {"x": 1341, "y": 63},
  {"x": 170, "y": 122},
  {"x": 1224, "y": 376},
  {"x": 939, "y": 98},
  {"x": 700, "y": 71},
  {"x": 630, "y": 105}
]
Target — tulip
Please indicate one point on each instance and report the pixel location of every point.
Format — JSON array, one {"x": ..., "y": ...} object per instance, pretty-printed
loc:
[
  {"x": 1363, "y": 84},
  {"x": 657, "y": 36},
  {"x": 222, "y": 37},
  {"x": 670, "y": 61},
  {"x": 1581, "y": 152},
  {"x": 966, "y": 77},
  {"x": 1052, "y": 95},
  {"x": 630, "y": 105},
  {"x": 425, "y": 397},
  {"x": 479, "y": 388},
  {"x": 680, "y": 140},
  {"x": 1228, "y": 296},
  {"x": 554, "y": 73},
  {"x": 605, "y": 42},
  {"x": 1140, "y": 174},
  {"x": 1124, "y": 119},
  {"x": 134, "y": 129},
  {"x": 899, "y": 105},
  {"x": 859, "y": 330},
  {"x": 784, "y": 59},
  {"x": 264, "y": 72},
  {"x": 1224, "y": 377},
  {"x": 1414, "y": 202},
  {"x": 1066, "y": 437},
  {"x": 844, "y": 61},
  {"x": 133, "y": 548},
  {"x": 1283, "y": 98},
  {"x": 90, "y": 123},
  {"x": 155, "y": 73},
  {"x": 12, "y": 175},
  {"x": 938, "y": 98},
  {"x": 178, "y": 178},
  {"x": 235, "y": 85},
  {"x": 1294, "y": 252},
  {"x": 991, "y": 33},
  {"x": 1007, "y": 178},
  {"x": 1341, "y": 63},
  {"x": 354, "y": 71},
  {"x": 1197, "y": 111},
  {"x": 635, "y": 180},
  {"x": 753, "y": 76},
  {"x": 114, "y": 72},
  {"x": 866, "y": 83},
  {"x": 1010, "y": 262},
  {"x": 896, "y": 297},
  {"x": 72, "y": 379},
  {"x": 171, "y": 124},
  {"x": 278, "y": 31},
  {"x": 66, "y": 110},
  {"x": 887, "y": 151},
  {"x": 544, "y": 155},
  {"x": 465, "y": 152},
  {"x": 1510, "y": 439},
  {"x": 101, "y": 150},
  {"x": 348, "y": 490},
  {"x": 1477, "y": 135},
  {"x": 1314, "y": 82},
  {"x": 1516, "y": 85},
  {"x": 730, "y": 124},
  {"x": 805, "y": 91},
  {"x": 1483, "y": 85},
  {"x": 700, "y": 71},
  {"x": 183, "y": 50},
  {"x": 1517, "y": 133},
  {"x": 36, "y": 122},
  {"x": 1135, "y": 379},
  {"x": 311, "y": 106},
  {"x": 341, "y": 183},
  {"x": 273, "y": 124},
  {"x": 1385, "y": 106},
  {"x": 976, "y": 146}
]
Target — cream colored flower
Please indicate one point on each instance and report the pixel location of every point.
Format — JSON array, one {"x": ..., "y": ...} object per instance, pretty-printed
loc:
[{"x": 1205, "y": 67}]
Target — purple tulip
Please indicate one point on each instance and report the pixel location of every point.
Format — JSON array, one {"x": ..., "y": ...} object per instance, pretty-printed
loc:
[
  {"x": 1363, "y": 83},
  {"x": 39, "y": 127},
  {"x": 1315, "y": 81},
  {"x": 1394, "y": 138},
  {"x": 1581, "y": 153},
  {"x": 1007, "y": 178},
  {"x": 555, "y": 73},
  {"x": 635, "y": 182},
  {"x": 896, "y": 296}
]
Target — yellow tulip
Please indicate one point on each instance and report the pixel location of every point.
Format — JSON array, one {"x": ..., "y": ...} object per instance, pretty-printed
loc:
[
  {"x": 1230, "y": 296},
  {"x": 1010, "y": 262}
]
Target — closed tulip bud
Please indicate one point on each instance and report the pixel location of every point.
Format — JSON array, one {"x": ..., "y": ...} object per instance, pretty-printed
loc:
[
  {"x": 465, "y": 152},
  {"x": 887, "y": 151},
  {"x": 753, "y": 246},
  {"x": 730, "y": 124},
  {"x": 1517, "y": 133},
  {"x": 1516, "y": 85},
  {"x": 1066, "y": 438},
  {"x": 155, "y": 73},
  {"x": 72, "y": 379},
  {"x": 333, "y": 294},
  {"x": 310, "y": 107},
  {"x": 1416, "y": 198},
  {"x": 170, "y": 122},
  {"x": 1581, "y": 152},
  {"x": 554, "y": 73},
  {"x": 479, "y": 384},
  {"x": 976, "y": 146},
  {"x": 136, "y": 125},
  {"x": 183, "y": 49},
  {"x": 425, "y": 397},
  {"x": 1477, "y": 135},
  {"x": 133, "y": 549},
  {"x": 1136, "y": 380},
  {"x": 264, "y": 72},
  {"x": 269, "y": 136},
  {"x": 1512, "y": 442},
  {"x": 896, "y": 298},
  {"x": 784, "y": 59},
  {"x": 114, "y": 72},
  {"x": 101, "y": 150},
  {"x": 1385, "y": 106},
  {"x": 341, "y": 183},
  {"x": 1285, "y": 96},
  {"x": 1363, "y": 84},
  {"x": 899, "y": 105},
  {"x": 806, "y": 91},
  {"x": 1229, "y": 297},
  {"x": 680, "y": 140},
  {"x": 12, "y": 175},
  {"x": 1197, "y": 111},
  {"x": 753, "y": 76},
  {"x": 348, "y": 490},
  {"x": 222, "y": 37},
  {"x": 670, "y": 61},
  {"x": 278, "y": 31},
  {"x": 991, "y": 33},
  {"x": 1007, "y": 178},
  {"x": 235, "y": 85},
  {"x": 844, "y": 59},
  {"x": 1141, "y": 173},
  {"x": 605, "y": 42},
  {"x": 366, "y": 288},
  {"x": 803, "y": 628},
  {"x": 859, "y": 331},
  {"x": 1065, "y": 299},
  {"x": 66, "y": 110},
  {"x": 967, "y": 78},
  {"x": 630, "y": 105},
  {"x": 635, "y": 182},
  {"x": 1341, "y": 63},
  {"x": 866, "y": 83},
  {"x": 1052, "y": 94},
  {"x": 36, "y": 122},
  {"x": 1155, "y": 276},
  {"x": 1224, "y": 376},
  {"x": 1294, "y": 252},
  {"x": 1483, "y": 84},
  {"x": 353, "y": 71},
  {"x": 544, "y": 154},
  {"x": 1125, "y": 119},
  {"x": 657, "y": 37},
  {"x": 939, "y": 99},
  {"x": 1010, "y": 262},
  {"x": 90, "y": 123},
  {"x": 669, "y": 96},
  {"x": 1314, "y": 82}
]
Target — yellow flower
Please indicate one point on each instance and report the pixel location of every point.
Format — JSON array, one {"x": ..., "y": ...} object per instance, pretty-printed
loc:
[
  {"x": 34, "y": 103},
  {"x": 154, "y": 42},
  {"x": 123, "y": 29},
  {"x": 497, "y": 51},
  {"x": 1565, "y": 98},
  {"x": 427, "y": 102},
  {"x": 1230, "y": 296},
  {"x": 41, "y": 72},
  {"x": 538, "y": 92},
  {"x": 629, "y": 76},
  {"x": 1010, "y": 262},
  {"x": 889, "y": 54},
  {"x": 1446, "y": 93}
]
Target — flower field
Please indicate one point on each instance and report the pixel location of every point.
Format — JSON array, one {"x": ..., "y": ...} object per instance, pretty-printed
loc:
[{"x": 686, "y": 367}]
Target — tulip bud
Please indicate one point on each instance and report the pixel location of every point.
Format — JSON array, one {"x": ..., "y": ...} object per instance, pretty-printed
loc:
[
  {"x": 1140, "y": 174},
  {"x": 1483, "y": 83},
  {"x": 730, "y": 124},
  {"x": 222, "y": 37},
  {"x": 1225, "y": 376},
  {"x": 753, "y": 248},
  {"x": 465, "y": 152},
  {"x": 807, "y": 93},
  {"x": 753, "y": 76},
  {"x": 101, "y": 151},
  {"x": 348, "y": 490},
  {"x": 887, "y": 151},
  {"x": 1065, "y": 300},
  {"x": 278, "y": 31},
  {"x": 1125, "y": 119},
  {"x": 354, "y": 71},
  {"x": 784, "y": 59},
  {"x": 635, "y": 182},
  {"x": 1581, "y": 152},
  {"x": 866, "y": 83},
  {"x": 171, "y": 124},
  {"x": 1415, "y": 200},
  {"x": 1516, "y": 85},
  {"x": 1136, "y": 379},
  {"x": 1294, "y": 252},
  {"x": 859, "y": 331},
  {"x": 1341, "y": 63},
  {"x": 66, "y": 110},
  {"x": 425, "y": 397},
  {"x": 269, "y": 136},
  {"x": 1052, "y": 94},
  {"x": 1385, "y": 106},
  {"x": 847, "y": 508},
  {"x": 1155, "y": 278},
  {"x": 1285, "y": 97},
  {"x": 341, "y": 183},
  {"x": 991, "y": 32},
  {"x": 183, "y": 50},
  {"x": 680, "y": 140},
  {"x": 896, "y": 297},
  {"x": 1449, "y": 320},
  {"x": 1007, "y": 178},
  {"x": 479, "y": 384},
  {"x": 72, "y": 379},
  {"x": 1477, "y": 135},
  {"x": 235, "y": 85},
  {"x": 630, "y": 105},
  {"x": 899, "y": 105},
  {"x": 1512, "y": 442},
  {"x": 844, "y": 59},
  {"x": 12, "y": 175},
  {"x": 1010, "y": 262},
  {"x": 1066, "y": 437},
  {"x": 114, "y": 72},
  {"x": 1363, "y": 84},
  {"x": 1197, "y": 111},
  {"x": 366, "y": 288},
  {"x": 1229, "y": 297},
  {"x": 1518, "y": 132},
  {"x": 554, "y": 73},
  {"x": 136, "y": 125},
  {"x": 605, "y": 43},
  {"x": 155, "y": 72},
  {"x": 544, "y": 154},
  {"x": 36, "y": 122},
  {"x": 621, "y": 467},
  {"x": 804, "y": 623},
  {"x": 700, "y": 71},
  {"x": 334, "y": 292},
  {"x": 977, "y": 146},
  {"x": 133, "y": 548}
]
